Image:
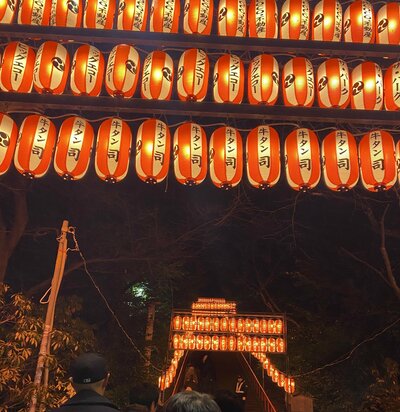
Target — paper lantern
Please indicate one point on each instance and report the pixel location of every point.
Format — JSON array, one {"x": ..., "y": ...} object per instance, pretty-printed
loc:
[
  {"x": 66, "y": 13},
  {"x": 215, "y": 325},
  {"x": 99, "y": 14},
  {"x": 289, "y": 385},
  {"x": 132, "y": 15},
  {"x": 263, "y": 80},
  {"x": 392, "y": 87},
  {"x": 164, "y": 16},
  {"x": 263, "y": 326},
  {"x": 207, "y": 342},
  {"x": 232, "y": 325},
  {"x": 73, "y": 149},
  {"x": 278, "y": 326},
  {"x": 256, "y": 325},
  {"x": 193, "y": 73},
  {"x": 226, "y": 157},
  {"x": 158, "y": 74},
  {"x": 153, "y": 151},
  {"x": 228, "y": 81},
  {"x": 398, "y": 159},
  {"x": 200, "y": 323},
  {"x": 303, "y": 169},
  {"x": 333, "y": 84},
  {"x": 388, "y": 24},
  {"x": 8, "y": 140},
  {"x": 34, "y": 12},
  {"x": 248, "y": 324},
  {"x": 340, "y": 160},
  {"x": 263, "y": 157},
  {"x": 240, "y": 325},
  {"x": 223, "y": 343},
  {"x": 359, "y": 22},
  {"x": 298, "y": 82},
  {"x": 231, "y": 343},
  {"x": 190, "y": 154},
  {"x": 185, "y": 322},
  {"x": 16, "y": 70},
  {"x": 327, "y": 21},
  {"x": 87, "y": 71},
  {"x": 7, "y": 11},
  {"x": 255, "y": 344},
  {"x": 367, "y": 87},
  {"x": 177, "y": 322},
  {"x": 247, "y": 343},
  {"x": 197, "y": 16},
  {"x": 51, "y": 68},
  {"x": 113, "y": 149},
  {"x": 377, "y": 161},
  {"x": 122, "y": 71},
  {"x": 263, "y": 19},
  {"x": 224, "y": 325},
  {"x": 36, "y": 140},
  {"x": 295, "y": 20},
  {"x": 232, "y": 18}
]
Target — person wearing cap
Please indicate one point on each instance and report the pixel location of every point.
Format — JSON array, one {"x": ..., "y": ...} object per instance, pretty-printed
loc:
[{"x": 89, "y": 377}]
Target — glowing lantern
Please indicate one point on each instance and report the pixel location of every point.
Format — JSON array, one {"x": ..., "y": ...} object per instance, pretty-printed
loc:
[
  {"x": 333, "y": 84},
  {"x": 223, "y": 343},
  {"x": 35, "y": 12},
  {"x": 263, "y": 19},
  {"x": 359, "y": 22},
  {"x": 181, "y": 342},
  {"x": 232, "y": 325},
  {"x": 340, "y": 160},
  {"x": 228, "y": 82},
  {"x": 192, "y": 342},
  {"x": 74, "y": 147},
  {"x": 247, "y": 343},
  {"x": 215, "y": 325},
  {"x": 175, "y": 341},
  {"x": 289, "y": 385},
  {"x": 367, "y": 87},
  {"x": 398, "y": 158},
  {"x": 51, "y": 68},
  {"x": 215, "y": 343},
  {"x": 164, "y": 16},
  {"x": 280, "y": 345},
  {"x": 132, "y": 15},
  {"x": 256, "y": 325},
  {"x": 295, "y": 20},
  {"x": 87, "y": 71},
  {"x": 232, "y": 18},
  {"x": 207, "y": 324},
  {"x": 226, "y": 157},
  {"x": 207, "y": 342},
  {"x": 158, "y": 74},
  {"x": 388, "y": 24},
  {"x": 223, "y": 326},
  {"x": 161, "y": 382},
  {"x": 278, "y": 326},
  {"x": 122, "y": 71},
  {"x": 99, "y": 14},
  {"x": 248, "y": 325},
  {"x": 8, "y": 140},
  {"x": 7, "y": 10},
  {"x": 66, "y": 13},
  {"x": 16, "y": 70},
  {"x": 271, "y": 326},
  {"x": 327, "y": 21},
  {"x": 271, "y": 346},
  {"x": 298, "y": 82},
  {"x": 192, "y": 323},
  {"x": 177, "y": 322},
  {"x": 392, "y": 87},
  {"x": 153, "y": 151},
  {"x": 200, "y": 323},
  {"x": 36, "y": 140},
  {"x": 231, "y": 343},
  {"x": 377, "y": 161},
  {"x": 266, "y": 363},
  {"x": 240, "y": 325},
  {"x": 281, "y": 380},
  {"x": 303, "y": 168},
  {"x": 255, "y": 344},
  {"x": 263, "y": 326},
  {"x": 197, "y": 16},
  {"x": 263, "y": 344},
  {"x": 263, "y": 80},
  {"x": 186, "y": 320},
  {"x": 240, "y": 343},
  {"x": 192, "y": 78},
  {"x": 263, "y": 157},
  {"x": 275, "y": 376}
]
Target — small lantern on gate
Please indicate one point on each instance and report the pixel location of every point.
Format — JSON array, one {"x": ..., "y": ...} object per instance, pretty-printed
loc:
[
  {"x": 132, "y": 15},
  {"x": 263, "y": 19},
  {"x": 99, "y": 14},
  {"x": 388, "y": 24},
  {"x": 359, "y": 22},
  {"x": 36, "y": 13},
  {"x": 66, "y": 13},
  {"x": 295, "y": 20},
  {"x": 198, "y": 16},
  {"x": 232, "y": 18},
  {"x": 164, "y": 16},
  {"x": 7, "y": 11},
  {"x": 392, "y": 87},
  {"x": 228, "y": 81},
  {"x": 327, "y": 21}
]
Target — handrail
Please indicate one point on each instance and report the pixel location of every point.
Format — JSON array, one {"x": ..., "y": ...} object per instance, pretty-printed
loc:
[{"x": 178, "y": 377}]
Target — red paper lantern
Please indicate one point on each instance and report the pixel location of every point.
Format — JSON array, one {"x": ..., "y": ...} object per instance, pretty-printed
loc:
[
  {"x": 8, "y": 140},
  {"x": 158, "y": 74},
  {"x": 289, "y": 385},
  {"x": 7, "y": 11},
  {"x": 223, "y": 343},
  {"x": 99, "y": 14},
  {"x": 327, "y": 21},
  {"x": 263, "y": 157},
  {"x": 113, "y": 149},
  {"x": 16, "y": 70},
  {"x": 199, "y": 342},
  {"x": 74, "y": 147},
  {"x": 193, "y": 73},
  {"x": 35, "y": 12},
  {"x": 164, "y": 16},
  {"x": 226, "y": 157},
  {"x": 298, "y": 82},
  {"x": 333, "y": 84},
  {"x": 367, "y": 87},
  {"x": 153, "y": 149},
  {"x": 232, "y": 343},
  {"x": 132, "y": 15},
  {"x": 122, "y": 71},
  {"x": 388, "y": 24},
  {"x": 36, "y": 140},
  {"x": 197, "y": 16},
  {"x": 51, "y": 68},
  {"x": 190, "y": 154},
  {"x": 359, "y": 22},
  {"x": 263, "y": 80},
  {"x": 232, "y": 18},
  {"x": 228, "y": 82},
  {"x": 303, "y": 168},
  {"x": 340, "y": 160},
  {"x": 295, "y": 20},
  {"x": 87, "y": 71},
  {"x": 398, "y": 158},
  {"x": 177, "y": 322},
  {"x": 377, "y": 161},
  {"x": 263, "y": 19},
  {"x": 392, "y": 87},
  {"x": 66, "y": 13}
]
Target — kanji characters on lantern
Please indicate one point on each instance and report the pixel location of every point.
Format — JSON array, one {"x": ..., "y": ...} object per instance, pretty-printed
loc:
[
  {"x": 132, "y": 15},
  {"x": 228, "y": 81},
  {"x": 198, "y": 16},
  {"x": 327, "y": 21},
  {"x": 232, "y": 18},
  {"x": 392, "y": 87},
  {"x": 66, "y": 13},
  {"x": 7, "y": 11},
  {"x": 295, "y": 20},
  {"x": 99, "y": 14},
  {"x": 8, "y": 140},
  {"x": 263, "y": 19},
  {"x": 388, "y": 24},
  {"x": 35, "y": 12},
  {"x": 359, "y": 22},
  {"x": 164, "y": 16}
]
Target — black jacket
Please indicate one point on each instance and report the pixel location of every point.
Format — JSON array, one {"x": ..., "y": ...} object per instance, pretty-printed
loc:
[{"x": 87, "y": 401}]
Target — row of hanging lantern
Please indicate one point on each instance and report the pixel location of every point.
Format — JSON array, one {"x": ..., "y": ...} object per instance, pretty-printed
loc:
[
  {"x": 342, "y": 163},
  {"x": 234, "y": 18},
  {"x": 167, "y": 377},
  {"x": 365, "y": 87}
]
